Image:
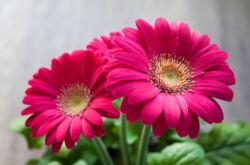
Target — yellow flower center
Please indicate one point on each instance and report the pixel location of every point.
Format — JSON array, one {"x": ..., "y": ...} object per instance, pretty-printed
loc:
[
  {"x": 170, "y": 74},
  {"x": 73, "y": 99}
]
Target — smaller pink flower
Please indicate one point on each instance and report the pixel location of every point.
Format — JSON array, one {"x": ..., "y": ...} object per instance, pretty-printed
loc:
[
  {"x": 104, "y": 44},
  {"x": 69, "y": 99}
]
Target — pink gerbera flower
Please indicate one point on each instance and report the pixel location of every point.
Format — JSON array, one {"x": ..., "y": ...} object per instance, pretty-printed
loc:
[
  {"x": 169, "y": 77},
  {"x": 69, "y": 99},
  {"x": 103, "y": 44}
]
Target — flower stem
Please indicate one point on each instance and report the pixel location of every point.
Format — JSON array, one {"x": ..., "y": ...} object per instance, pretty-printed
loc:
[
  {"x": 123, "y": 141},
  {"x": 143, "y": 144},
  {"x": 102, "y": 151}
]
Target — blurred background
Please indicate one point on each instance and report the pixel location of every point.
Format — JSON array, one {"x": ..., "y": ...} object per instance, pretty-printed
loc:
[{"x": 34, "y": 31}]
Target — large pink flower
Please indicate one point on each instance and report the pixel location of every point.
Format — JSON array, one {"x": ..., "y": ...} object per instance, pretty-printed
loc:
[
  {"x": 69, "y": 99},
  {"x": 169, "y": 76}
]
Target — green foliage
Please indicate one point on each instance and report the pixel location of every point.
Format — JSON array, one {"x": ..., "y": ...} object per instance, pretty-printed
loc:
[
  {"x": 227, "y": 144},
  {"x": 224, "y": 144},
  {"x": 18, "y": 126},
  {"x": 178, "y": 154}
]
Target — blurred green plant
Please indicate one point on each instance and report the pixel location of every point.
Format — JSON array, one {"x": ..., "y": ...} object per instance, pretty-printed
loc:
[{"x": 224, "y": 144}]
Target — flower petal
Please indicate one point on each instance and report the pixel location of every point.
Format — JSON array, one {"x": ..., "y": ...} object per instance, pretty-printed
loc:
[
  {"x": 194, "y": 130},
  {"x": 172, "y": 111},
  {"x": 160, "y": 126},
  {"x": 149, "y": 36},
  {"x": 92, "y": 116},
  {"x": 200, "y": 108},
  {"x": 87, "y": 130},
  {"x": 221, "y": 76},
  {"x": 56, "y": 146},
  {"x": 209, "y": 60},
  {"x": 62, "y": 129},
  {"x": 214, "y": 89},
  {"x": 69, "y": 141},
  {"x": 185, "y": 122},
  {"x": 152, "y": 109},
  {"x": 75, "y": 128},
  {"x": 139, "y": 95}
]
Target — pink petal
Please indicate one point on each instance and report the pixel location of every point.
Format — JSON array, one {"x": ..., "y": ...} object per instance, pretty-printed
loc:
[
  {"x": 31, "y": 99},
  {"x": 139, "y": 95},
  {"x": 132, "y": 34},
  {"x": 126, "y": 107},
  {"x": 209, "y": 60},
  {"x": 221, "y": 76},
  {"x": 194, "y": 130},
  {"x": 56, "y": 147},
  {"x": 87, "y": 66},
  {"x": 149, "y": 36},
  {"x": 67, "y": 68},
  {"x": 202, "y": 42},
  {"x": 172, "y": 111},
  {"x": 200, "y": 108},
  {"x": 51, "y": 136},
  {"x": 214, "y": 89},
  {"x": 31, "y": 119},
  {"x": 132, "y": 60},
  {"x": 163, "y": 32},
  {"x": 38, "y": 108},
  {"x": 185, "y": 122},
  {"x": 92, "y": 116},
  {"x": 160, "y": 126},
  {"x": 134, "y": 115},
  {"x": 131, "y": 47},
  {"x": 45, "y": 116},
  {"x": 184, "y": 39},
  {"x": 95, "y": 77},
  {"x": 58, "y": 71},
  {"x": 69, "y": 142},
  {"x": 125, "y": 74},
  {"x": 104, "y": 107},
  {"x": 75, "y": 128},
  {"x": 87, "y": 130},
  {"x": 152, "y": 109},
  {"x": 213, "y": 108},
  {"x": 219, "y": 116},
  {"x": 48, "y": 76},
  {"x": 205, "y": 50},
  {"x": 98, "y": 130},
  {"x": 43, "y": 87},
  {"x": 62, "y": 129},
  {"x": 48, "y": 126},
  {"x": 123, "y": 89}
]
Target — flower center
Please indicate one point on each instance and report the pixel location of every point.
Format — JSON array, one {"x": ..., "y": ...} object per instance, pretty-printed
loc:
[
  {"x": 73, "y": 99},
  {"x": 170, "y": 74}
]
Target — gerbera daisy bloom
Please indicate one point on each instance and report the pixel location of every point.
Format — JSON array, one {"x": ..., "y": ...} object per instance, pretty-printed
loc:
[
  {"x": 69, "y": 99},
  {"x": 103, "y": 44},
  {"x": 169, "y": 76}
]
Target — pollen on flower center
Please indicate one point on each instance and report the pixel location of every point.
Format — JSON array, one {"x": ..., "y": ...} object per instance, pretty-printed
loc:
[
  {"x": 73, "y": 99},
  {"x": 170, "y": 74}
]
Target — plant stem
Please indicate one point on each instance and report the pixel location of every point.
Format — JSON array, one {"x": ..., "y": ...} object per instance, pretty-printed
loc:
[
  {"x": 123, "y": 141},
  {"x": 102, "y": 151},
  {"x": 143, "y": 145}
]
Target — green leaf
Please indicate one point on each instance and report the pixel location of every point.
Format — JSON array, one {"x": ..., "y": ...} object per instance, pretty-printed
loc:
[
  {"x": 18, "y": 126},
  {"x": 42, "y": 162},
  {"x": 117, "y": 103},
  {"x": 178, "y": 154},
  {"x": 80, "y": 162},
  {"x": 227, "y": 144}
]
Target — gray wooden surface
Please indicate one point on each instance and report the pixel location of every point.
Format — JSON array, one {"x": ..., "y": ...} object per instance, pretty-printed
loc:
[{"x": 34, "y": 31}]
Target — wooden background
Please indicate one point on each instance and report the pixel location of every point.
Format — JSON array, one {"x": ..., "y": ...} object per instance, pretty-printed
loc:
[{"x": 34, "y": 31}]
